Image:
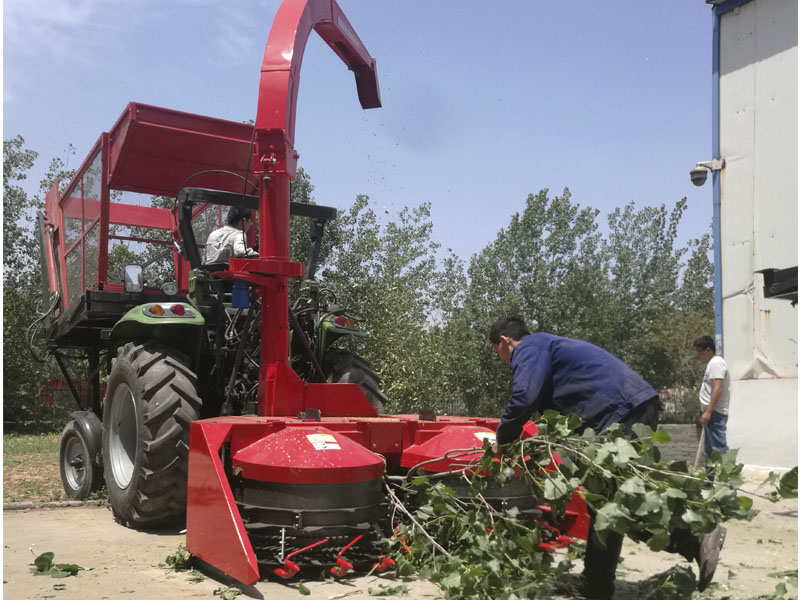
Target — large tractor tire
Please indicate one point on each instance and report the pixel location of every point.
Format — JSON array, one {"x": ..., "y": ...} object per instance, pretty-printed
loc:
[
  {"x": 79, "y": 476},
  {"x": 150, "y": 401},
  {"x": 343, "y": 366}
]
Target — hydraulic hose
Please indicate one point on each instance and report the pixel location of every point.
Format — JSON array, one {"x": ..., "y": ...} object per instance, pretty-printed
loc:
[{"x": 34, "y": 327}]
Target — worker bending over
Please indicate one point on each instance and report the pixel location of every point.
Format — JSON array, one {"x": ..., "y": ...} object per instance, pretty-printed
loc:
[{"x": 574, "y": 376}]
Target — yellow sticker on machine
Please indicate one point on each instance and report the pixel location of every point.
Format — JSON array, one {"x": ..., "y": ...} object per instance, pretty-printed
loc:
[
  {"x": 323, "y": 441},
  {"x": 485, "y": 435}
]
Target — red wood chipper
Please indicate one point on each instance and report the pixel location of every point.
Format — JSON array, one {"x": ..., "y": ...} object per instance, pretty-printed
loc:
[{"x": 222, "y": 400}]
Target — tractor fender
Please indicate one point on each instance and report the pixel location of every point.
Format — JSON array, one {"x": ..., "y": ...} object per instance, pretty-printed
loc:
[
  {"x": 183, "y": 333},
  {"x": 330, "y": 331},
  {"x": 92, "y": 431}
]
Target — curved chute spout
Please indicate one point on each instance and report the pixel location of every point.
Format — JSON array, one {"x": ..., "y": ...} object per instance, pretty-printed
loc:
[{"x": 280, "y": 71}]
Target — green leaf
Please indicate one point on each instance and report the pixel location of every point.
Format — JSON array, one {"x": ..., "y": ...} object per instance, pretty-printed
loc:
[
  {"x": 44, "y": 561},
  {"x": 304, "y": 591},
  {"x": 404, "y": 568},
  {"x": 388, "y": 590},
  {"x": 675, "y": 493},
  {"x": 781, "y": 574},
  {"x": 641, "y": 430},
  {"x": 611, "y": 517},
  {"x": 453, "y": 580},
  {"x": 661, "y": 437},
  {"x": 69, "y": 568},
  {"x": 180, "y": 560},
  {"x": 658, "y": 541},
  {"x": 625, "y": 451},
  {"x": 58, "y": 573},
  {"x": 633, "y": 486},
  {"x": 651, "y": 503},
  {"x": 555, "y": 489},
  {"x": 788, "y": 485},
  {"x": 228, "y": 593}
]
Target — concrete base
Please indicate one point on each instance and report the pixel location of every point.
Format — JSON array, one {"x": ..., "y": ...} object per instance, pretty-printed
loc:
[{"x": 762, "y": 422}]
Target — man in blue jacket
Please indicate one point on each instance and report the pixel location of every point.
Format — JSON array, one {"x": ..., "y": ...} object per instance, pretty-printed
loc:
[{"x": 574, "y": 376}]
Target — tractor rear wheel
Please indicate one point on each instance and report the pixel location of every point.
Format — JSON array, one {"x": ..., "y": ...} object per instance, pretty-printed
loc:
[
  {"x": 78, "y": 475},
  {"x": 343, "y": 366},
  {"x": 150, "y": 401}
]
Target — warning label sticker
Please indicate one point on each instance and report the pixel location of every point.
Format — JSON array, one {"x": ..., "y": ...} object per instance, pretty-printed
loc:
[
  {"x": 323, "y": 441},
  {"x": 484, "y": 435}
]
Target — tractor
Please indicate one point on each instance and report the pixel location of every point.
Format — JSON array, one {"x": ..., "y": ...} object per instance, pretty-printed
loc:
[{"x": 224, "y": 403}]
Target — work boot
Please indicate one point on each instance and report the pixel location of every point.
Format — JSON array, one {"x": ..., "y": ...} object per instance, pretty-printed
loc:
[
  {"x": 582, "y": 588},
  {"x": 708, "y": 555}
]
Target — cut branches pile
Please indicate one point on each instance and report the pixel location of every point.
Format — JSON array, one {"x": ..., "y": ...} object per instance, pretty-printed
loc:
[{"x": 473, "y": 550}]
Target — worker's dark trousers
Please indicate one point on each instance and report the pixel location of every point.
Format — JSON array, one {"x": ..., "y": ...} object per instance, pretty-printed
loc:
[{"x": 600, "y": 562}]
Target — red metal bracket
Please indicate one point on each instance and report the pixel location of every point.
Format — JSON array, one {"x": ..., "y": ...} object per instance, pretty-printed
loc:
[
  {"x": 292, "y": 568},
  {"x": 342, "y": 566},
  {"x": 214, "y": 529},
  {"x": 384, "y": 564}
]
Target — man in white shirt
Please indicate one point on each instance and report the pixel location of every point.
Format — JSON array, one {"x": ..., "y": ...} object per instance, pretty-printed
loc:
[
  {"x": 229, "y": 240},
  {"x": 714, "y": 397}
]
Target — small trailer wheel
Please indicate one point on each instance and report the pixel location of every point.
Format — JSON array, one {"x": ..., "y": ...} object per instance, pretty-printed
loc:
[{"x": 78, "y": 475}]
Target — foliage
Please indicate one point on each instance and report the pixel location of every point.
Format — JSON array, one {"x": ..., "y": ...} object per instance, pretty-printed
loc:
[
  {"x": 22, "y": 280},
  {"x": 180, "y": 560},
  {"x": 44, "y": 565},
  {"x": 228, "y": 593},
  {"x": 629, "y": 292},
  {"x": 388, "y": 590},
  {"x": 785, "y": 485},
  {"x": 427, "y": 311},
  {"x": 388, "y": 274},
  {"x": 472, "y": 550}
]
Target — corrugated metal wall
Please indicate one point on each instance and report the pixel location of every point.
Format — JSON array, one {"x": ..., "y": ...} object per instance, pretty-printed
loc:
[{"x": 758, "y": 140}]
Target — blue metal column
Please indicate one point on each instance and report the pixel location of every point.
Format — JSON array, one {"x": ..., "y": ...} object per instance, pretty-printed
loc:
[{"x": 715, "y": 178}]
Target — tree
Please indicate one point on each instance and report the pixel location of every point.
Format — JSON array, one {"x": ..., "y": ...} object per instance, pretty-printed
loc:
[
  {"x": 543, "y": 267},
  {"x": 630, "y": 292},
  {"x": 390, "y": 275},
  {"x": 17, "y": 238},
  {"x": 22, "y": 292}
]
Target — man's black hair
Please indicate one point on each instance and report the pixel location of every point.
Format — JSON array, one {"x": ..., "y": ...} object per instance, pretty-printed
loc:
[
  {"x": 512, "y": 327},
  {"x": 704, "y": 342},
  {"x": 236, "y": 214}
]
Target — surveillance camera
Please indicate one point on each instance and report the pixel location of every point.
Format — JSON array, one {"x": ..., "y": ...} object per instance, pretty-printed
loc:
[{"x": 698, "y": 175}]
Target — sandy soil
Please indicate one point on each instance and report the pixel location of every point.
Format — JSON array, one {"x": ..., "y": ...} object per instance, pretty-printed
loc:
[{"x": 122, "y": 563}]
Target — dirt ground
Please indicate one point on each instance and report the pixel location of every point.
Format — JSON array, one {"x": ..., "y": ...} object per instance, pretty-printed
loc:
[{"x": 123, "y": 563}]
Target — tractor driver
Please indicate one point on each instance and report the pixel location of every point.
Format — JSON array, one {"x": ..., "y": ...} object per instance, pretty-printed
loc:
[{"x": 229, "y": 240}]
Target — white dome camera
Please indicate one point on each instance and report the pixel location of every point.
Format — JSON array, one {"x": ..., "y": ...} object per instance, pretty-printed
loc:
[
  {"x": 700, "y": 172},
  {"x": 698, "y": 175}
]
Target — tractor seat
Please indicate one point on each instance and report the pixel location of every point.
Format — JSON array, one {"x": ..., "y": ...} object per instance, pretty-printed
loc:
[{"x": 217, "y": 266}]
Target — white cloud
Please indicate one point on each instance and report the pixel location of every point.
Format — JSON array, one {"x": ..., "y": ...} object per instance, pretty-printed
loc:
[{"x": 43, "y": 26}]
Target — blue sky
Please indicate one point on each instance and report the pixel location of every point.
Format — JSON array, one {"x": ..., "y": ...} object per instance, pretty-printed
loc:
[{"x": 483, "y": 102}]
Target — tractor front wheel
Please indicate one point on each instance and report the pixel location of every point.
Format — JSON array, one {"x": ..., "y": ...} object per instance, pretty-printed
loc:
[
  {"x": 343, "y": 366},
  {"x": 150, "y": 401}
]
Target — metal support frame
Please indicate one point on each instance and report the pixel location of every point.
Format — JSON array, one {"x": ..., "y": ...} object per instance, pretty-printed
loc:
[{"x": 68, "y": 379}]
